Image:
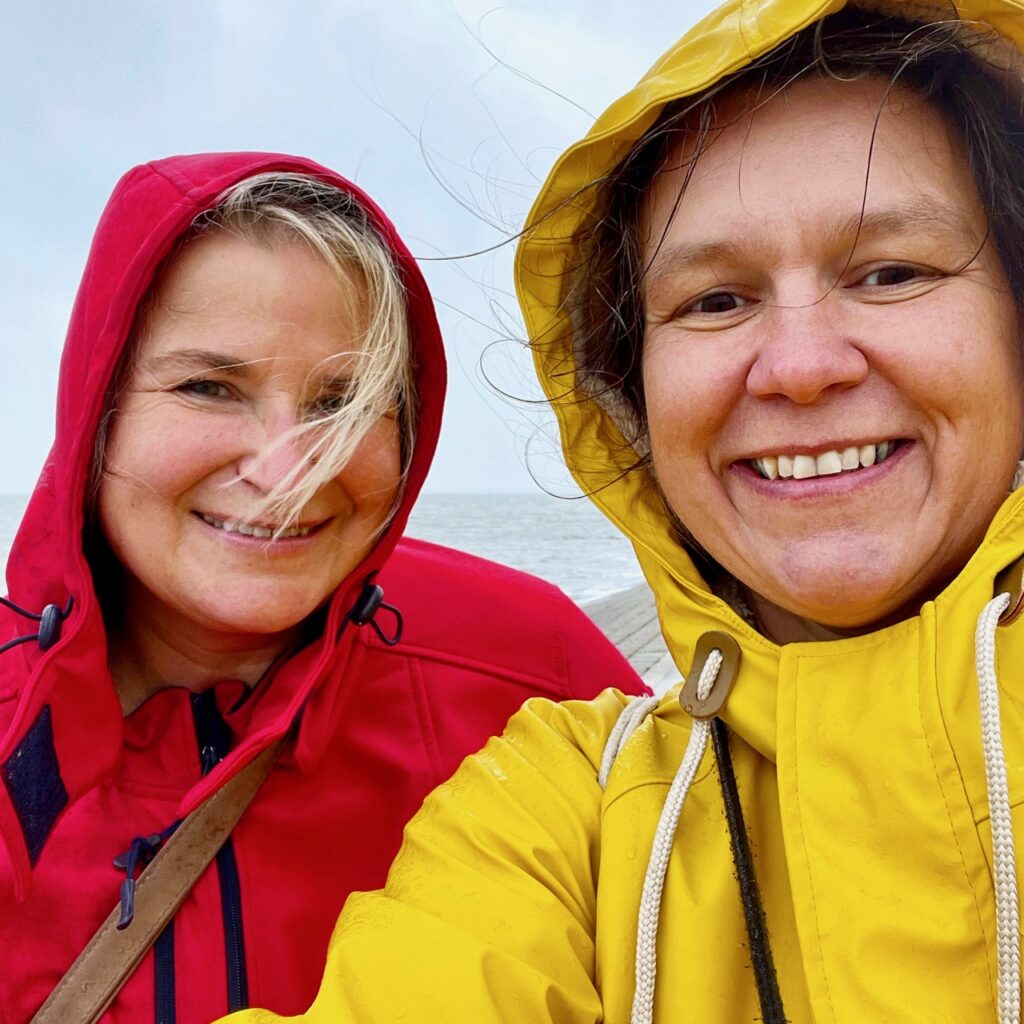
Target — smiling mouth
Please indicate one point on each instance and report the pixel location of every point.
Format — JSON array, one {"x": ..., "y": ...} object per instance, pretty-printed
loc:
[
  {"x": 831, "y": 463},
  {"x": 265, "y": 531}
]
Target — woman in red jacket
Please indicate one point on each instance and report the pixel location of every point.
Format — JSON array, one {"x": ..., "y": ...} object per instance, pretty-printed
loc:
[{"x": 249, "y": 400}]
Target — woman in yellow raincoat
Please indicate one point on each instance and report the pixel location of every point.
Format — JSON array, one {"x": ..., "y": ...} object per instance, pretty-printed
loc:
[{"x": 774, "y": 299}]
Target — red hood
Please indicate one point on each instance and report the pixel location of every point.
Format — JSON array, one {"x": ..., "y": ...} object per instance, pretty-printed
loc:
[{"x": 151, "y": 207}]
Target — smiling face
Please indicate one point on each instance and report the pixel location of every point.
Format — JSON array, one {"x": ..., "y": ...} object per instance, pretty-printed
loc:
[
  {"x": 243, "y": 343},
  {"x": 834, "y": 400}
]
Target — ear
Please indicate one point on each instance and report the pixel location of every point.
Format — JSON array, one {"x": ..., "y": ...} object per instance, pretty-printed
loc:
[{"x": 1018, "y": 476}]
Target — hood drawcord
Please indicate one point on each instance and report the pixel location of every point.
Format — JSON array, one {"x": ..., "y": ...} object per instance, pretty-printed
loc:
[
  {"x": 50, "y": 620},
  {"x": 761, "y": 958},
  {"x": 632, "y": 716},
  {"x": 661, "y": 850},
  {"x": 1004, "y": 861}
]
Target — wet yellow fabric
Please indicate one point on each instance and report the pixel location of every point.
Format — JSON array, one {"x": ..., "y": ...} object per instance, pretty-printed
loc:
[{"x": 859, "y": 761}]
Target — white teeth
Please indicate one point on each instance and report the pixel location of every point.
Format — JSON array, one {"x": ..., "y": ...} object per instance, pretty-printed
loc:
[
  {"x": 830, "y": 463},
  {"x": 250, "y": 530},
  {"x": 804, "y": 467}
]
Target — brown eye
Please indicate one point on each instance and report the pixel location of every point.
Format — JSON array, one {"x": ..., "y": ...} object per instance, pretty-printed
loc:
[
  {"x": 716, "y": 302},
  {"x": 887, "y": 277}
]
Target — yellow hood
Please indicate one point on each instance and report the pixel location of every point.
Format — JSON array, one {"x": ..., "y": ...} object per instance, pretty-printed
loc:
[{"x": 593, "y": 445}]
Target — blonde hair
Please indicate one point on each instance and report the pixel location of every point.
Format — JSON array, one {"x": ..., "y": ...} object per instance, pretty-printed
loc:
[
  {"x": 278, "y": 206},
  {"x": 284, "y": 207}
]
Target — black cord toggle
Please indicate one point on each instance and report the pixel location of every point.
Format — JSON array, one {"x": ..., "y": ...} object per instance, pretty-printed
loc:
[
  {"x": 143, "y": 849},
  {"x": 368, "y": 604},
  {"x": 50, "y": 620}
]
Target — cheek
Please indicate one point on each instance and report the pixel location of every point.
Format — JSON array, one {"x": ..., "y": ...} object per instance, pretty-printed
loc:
[
  {"x": 160, "y": 452},
  {"x": 687, "y": 397},
  {"x": 373, "y": 474},
  {"x": 967, "y": 367}
]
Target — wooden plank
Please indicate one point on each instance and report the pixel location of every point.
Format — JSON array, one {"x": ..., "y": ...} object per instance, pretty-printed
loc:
[{"x": 630, "y": 620}]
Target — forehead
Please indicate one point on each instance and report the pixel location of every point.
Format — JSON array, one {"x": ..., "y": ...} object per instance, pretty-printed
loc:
[
  {"x": 816, "y": 153},
  {"x": 254, "y": 298}
]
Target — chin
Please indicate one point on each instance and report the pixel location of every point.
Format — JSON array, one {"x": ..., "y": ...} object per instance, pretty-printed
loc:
[
  {"x": 842, "y": 596},
  {"x": 259, "y": 614}
]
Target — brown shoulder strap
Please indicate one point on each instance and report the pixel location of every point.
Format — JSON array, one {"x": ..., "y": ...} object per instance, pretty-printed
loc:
[{"x": 106, "y": 963}]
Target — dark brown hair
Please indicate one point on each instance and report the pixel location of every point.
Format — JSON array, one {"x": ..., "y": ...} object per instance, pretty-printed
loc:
[{"x": 963, "y": 69}]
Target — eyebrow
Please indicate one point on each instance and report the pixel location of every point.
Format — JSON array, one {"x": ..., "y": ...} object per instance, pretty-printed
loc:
[
  {"x": 936, "y": 219},
  {"x": 198, "y": 360},
  {"x": 193, "y": 359}
]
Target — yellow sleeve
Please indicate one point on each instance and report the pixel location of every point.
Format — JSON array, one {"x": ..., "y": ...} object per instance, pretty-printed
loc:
[{"x": 488, "y": 911}]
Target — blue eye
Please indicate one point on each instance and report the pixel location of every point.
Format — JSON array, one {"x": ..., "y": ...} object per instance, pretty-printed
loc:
[
  {"x": 332, "y": 402},
  {"x": 204, "y": 389}
]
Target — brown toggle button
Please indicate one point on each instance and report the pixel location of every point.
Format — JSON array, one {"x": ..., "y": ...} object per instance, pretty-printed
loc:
[
  {"x": 722, "y": 686},
  {"x": 1011, "y": 581}
]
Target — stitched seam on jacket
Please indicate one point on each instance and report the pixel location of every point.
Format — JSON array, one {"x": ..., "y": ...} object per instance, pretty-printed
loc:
[
  {"x": 807, "y": 860},
  {"x": 476, "y": 664},
  {"x": 702, "y": 774},
  {"x": 563, "y": 663},
  {"x": 945, "y": 802},
  {"x": 428, "y": 731}
]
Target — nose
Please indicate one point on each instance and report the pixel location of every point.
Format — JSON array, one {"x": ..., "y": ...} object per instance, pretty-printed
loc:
[
  {"x": 806, "y": 352},
  {"x": 278, "y": 455}
]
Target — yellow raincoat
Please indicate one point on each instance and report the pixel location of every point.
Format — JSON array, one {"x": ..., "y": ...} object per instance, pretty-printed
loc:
[{"x": 859, "y": 761}]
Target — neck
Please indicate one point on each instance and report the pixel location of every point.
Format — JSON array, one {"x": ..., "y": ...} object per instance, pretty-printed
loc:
[
  {"x": 151, "y": 649},
  {"x": 785, "y": 627}
]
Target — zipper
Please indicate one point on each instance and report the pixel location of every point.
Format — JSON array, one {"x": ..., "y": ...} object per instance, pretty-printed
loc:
[
  {"x": 163, "y": 976},
  {"x": 214, "y": 738}
]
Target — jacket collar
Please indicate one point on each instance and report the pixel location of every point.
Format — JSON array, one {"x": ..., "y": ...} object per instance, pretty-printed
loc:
[{"x": 687, "y": 609}]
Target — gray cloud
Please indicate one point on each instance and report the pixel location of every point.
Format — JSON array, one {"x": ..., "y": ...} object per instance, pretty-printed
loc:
[{"x": 396, "y": 95}]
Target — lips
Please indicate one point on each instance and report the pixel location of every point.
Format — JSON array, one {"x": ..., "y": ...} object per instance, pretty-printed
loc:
[{"x": 833, "y": 462}]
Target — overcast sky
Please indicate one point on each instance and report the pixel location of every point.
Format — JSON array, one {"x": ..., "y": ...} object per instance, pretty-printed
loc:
[{"x": 432, "y": 106}]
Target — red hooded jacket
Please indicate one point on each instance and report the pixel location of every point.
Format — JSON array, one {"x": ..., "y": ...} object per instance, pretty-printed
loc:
[{"x": 378, "y": 726}]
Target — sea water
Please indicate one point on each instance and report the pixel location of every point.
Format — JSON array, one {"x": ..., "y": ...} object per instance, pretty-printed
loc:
[{"x": 567, "y": 541}]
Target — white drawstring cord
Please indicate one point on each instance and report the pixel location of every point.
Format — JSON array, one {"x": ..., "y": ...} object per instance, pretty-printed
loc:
[
  {"x": 1008, "y": 956},
  {"x": 630, "y": 719},
  {"x": 654, "y": 881},
  {"x": 1004, "y": 861}
]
